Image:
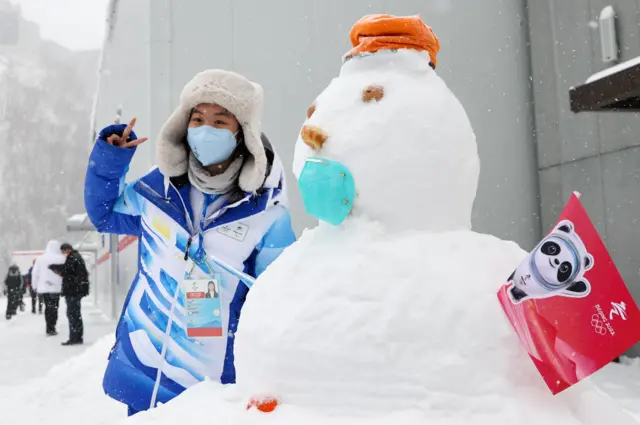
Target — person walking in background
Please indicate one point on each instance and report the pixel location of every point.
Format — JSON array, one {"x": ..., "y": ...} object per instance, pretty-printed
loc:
[
  {"x": 13, "y": 285},
  {"x": 35, "y": 298},
  {"x": 49, "y": 284},
  {"x": 75, "y": 286}
]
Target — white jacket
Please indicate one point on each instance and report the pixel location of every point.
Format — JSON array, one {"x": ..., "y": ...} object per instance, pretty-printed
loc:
[{"x": 44, "y": 280}]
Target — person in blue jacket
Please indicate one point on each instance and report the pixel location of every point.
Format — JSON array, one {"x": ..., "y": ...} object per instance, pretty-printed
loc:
[{"x": 215, "y": 208}]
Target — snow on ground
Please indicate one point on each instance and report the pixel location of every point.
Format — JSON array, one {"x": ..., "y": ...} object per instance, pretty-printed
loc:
[
  {"x": 35, "y": 352},
  {"x": 210, "y": 402},
  {"x": 622, "y": 383},
  {"x": 44, "y": 382}
]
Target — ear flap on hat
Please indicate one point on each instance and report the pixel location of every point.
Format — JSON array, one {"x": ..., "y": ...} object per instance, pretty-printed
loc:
[
  {"x": 254, "y": 170},
  {"x": 171, "y": 153}
]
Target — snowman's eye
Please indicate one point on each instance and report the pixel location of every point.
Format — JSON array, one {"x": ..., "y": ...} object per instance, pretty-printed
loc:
[
  {"x": 373, "y": 92},
  {"x": 311, "y": 110}
]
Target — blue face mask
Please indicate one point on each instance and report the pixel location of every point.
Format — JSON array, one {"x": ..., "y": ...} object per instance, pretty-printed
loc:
[
  {"x": 327, "y": 189},
  {"x": 211, "y": 145}
]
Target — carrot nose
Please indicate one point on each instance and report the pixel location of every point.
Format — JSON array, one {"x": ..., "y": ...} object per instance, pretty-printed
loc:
[{"x": 313, "y": 136}]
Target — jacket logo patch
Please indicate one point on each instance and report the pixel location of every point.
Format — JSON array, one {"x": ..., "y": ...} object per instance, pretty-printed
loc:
[{"x": 237, "y": 231}]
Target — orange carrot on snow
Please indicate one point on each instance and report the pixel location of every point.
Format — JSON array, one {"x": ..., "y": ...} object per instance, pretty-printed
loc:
[{"x": 266, "y": 405}]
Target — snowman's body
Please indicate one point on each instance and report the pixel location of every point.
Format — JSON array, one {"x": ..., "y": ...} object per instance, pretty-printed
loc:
[
  {"x": 395, "y": 310},
  {"x": 360, "y": 321}
]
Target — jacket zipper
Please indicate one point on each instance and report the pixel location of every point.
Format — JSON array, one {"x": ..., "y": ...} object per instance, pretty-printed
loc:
[
  {"x": 185, "y": 213},
  {"x": 152, "y": 193},
  {"x": 186, "y": 252}
]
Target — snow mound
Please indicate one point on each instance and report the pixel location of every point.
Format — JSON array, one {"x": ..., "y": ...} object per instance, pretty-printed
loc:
[
  {"x": 621, "y": 382},
  {"x": 210, "y": 402},
  {"x": 70, "y": 393}
]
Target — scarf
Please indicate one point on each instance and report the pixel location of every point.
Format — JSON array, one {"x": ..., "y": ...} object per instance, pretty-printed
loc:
[{"x": 210, "y": 184}]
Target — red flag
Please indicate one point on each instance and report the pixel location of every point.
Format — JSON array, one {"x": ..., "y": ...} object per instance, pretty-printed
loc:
[{"x": 568, "y": 303}]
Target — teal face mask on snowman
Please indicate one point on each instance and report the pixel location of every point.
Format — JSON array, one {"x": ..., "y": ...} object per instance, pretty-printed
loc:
[{"x": 327, "y": 189}]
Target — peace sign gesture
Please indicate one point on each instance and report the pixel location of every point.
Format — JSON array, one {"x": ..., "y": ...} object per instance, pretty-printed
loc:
[{"x": 122, "y": 141}]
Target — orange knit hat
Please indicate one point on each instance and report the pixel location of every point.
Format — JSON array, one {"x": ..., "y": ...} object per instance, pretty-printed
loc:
[{"x": 379, "y": 32}]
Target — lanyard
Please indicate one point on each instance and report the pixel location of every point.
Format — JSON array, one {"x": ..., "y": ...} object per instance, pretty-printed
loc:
[
  {"x": 243, "y": 277},
  {"x": 208, "y": 200}
]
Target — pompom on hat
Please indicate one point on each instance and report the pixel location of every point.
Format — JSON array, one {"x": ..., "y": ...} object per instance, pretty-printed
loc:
[{"x": 387, "y": 32}]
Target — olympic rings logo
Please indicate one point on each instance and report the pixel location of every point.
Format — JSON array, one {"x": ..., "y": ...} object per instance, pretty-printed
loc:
[{"x": 598, "y": 325}]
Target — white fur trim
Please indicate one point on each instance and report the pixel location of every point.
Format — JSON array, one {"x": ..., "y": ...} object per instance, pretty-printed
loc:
[{"x": 235, "y": 93}]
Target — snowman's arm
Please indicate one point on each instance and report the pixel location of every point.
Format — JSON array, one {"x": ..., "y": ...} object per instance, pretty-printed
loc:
[{"x": 275, "y": 240}]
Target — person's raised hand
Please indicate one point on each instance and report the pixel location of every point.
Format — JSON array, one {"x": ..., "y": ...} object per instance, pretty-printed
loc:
[{"x": 122, "y": 141}]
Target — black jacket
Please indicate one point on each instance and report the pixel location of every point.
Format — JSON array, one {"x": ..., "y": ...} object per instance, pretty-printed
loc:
[
  {"x": 75, "y": 278},
  {"x": 13, "y": 282}
]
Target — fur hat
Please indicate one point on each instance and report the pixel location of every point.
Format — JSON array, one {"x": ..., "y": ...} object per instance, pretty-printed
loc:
[
  {"x": 383, "y": 32},
  {"x": 236, "y": 94}
]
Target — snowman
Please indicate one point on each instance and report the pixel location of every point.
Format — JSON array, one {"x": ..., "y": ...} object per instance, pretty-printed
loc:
[{"x": 386, "y": 312}]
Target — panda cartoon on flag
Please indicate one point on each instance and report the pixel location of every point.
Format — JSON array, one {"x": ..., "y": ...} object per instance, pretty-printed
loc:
[{"x": 556, "y": 267}]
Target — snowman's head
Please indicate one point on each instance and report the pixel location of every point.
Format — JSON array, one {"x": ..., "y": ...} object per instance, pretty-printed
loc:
[{"x": 407, "y": 141}]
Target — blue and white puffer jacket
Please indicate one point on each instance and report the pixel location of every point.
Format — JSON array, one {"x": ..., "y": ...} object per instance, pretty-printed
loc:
[{"x": 247, "y": 232}]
